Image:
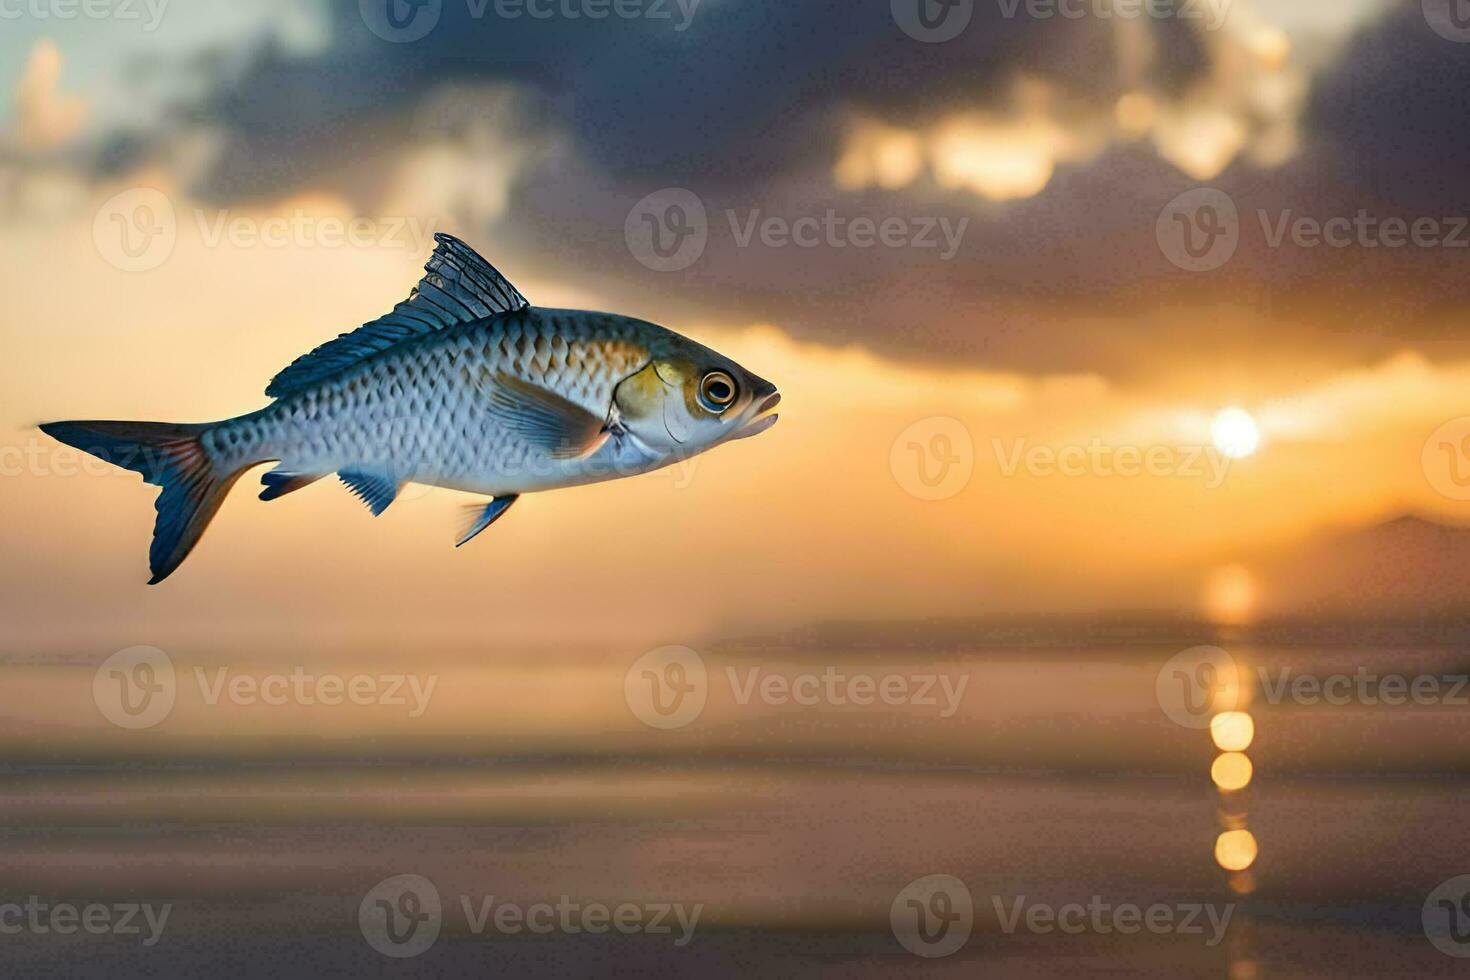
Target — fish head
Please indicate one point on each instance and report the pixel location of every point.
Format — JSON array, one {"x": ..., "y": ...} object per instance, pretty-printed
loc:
[{"x": 689, "y": 398}]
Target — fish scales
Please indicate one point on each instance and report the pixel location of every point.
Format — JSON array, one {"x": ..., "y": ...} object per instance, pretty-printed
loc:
[
  {"x": 463, "y": 385},
  {"x": 419, "y": 409}
]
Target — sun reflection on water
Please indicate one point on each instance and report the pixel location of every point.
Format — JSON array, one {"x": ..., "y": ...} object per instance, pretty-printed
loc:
[
  {"x": 1232, "y": 731},
  {"x": 1236, "y": 850},
  {"x": 1232, "y": 771}
]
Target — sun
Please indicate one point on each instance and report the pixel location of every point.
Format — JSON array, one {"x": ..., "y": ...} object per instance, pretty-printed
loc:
[{"x": 1235, "y": 434}]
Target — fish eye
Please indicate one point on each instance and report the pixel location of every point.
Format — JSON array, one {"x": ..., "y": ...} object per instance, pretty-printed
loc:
[{"x": 716, "y": 391}]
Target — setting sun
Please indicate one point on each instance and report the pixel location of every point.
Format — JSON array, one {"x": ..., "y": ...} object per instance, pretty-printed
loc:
[{"x": 1235, "y": 433}]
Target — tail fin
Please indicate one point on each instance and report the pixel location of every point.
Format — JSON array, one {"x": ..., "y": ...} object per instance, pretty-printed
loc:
[{"x": 170, "y": 456}]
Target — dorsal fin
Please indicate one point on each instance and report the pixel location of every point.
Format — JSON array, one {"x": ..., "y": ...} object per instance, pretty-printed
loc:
[{"x": 458, "y": 286}]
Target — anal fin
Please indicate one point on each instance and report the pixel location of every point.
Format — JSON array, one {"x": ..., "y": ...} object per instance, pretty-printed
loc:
[
  {"x": 279, "y": 482},
  {"x": 477, "y": 517},
  {"x": 376, "y": 488}
]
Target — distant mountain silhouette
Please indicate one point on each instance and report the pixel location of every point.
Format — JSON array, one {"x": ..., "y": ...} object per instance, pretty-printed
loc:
[
  {"x": 1404, "y": 581},
  {"x": 1401, "y": 569}
]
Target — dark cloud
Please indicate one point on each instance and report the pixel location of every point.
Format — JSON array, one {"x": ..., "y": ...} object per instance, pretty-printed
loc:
[
  {"x": 1394, "y": 114},
  {"x": 748, "y": 108}
]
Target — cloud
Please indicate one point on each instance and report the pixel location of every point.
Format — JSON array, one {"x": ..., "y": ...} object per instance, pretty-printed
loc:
[
  {"x": 44, "y": 116},
  {"x": 1050, "y": 146},
  {"x": 1217, "y": 89},
  {"x": 1391, "y": 111}
]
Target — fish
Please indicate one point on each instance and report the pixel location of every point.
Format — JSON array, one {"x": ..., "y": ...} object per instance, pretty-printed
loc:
[{"x": 464, "y": 385}]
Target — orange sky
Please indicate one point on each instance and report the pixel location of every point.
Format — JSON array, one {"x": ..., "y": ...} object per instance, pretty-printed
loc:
[
  {"x": 827, "y": 515},
  {"x": 809, "y": 521}
]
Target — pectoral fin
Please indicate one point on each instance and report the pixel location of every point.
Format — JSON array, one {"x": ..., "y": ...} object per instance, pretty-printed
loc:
[
  {"x": 546, "y": 420},
  {"x": 477, "y": 517}
]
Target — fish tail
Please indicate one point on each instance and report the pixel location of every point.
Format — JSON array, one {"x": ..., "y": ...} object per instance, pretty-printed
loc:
[{"x": 174, "y": 456}]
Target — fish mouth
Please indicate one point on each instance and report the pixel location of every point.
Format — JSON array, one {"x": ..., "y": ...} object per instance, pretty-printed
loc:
[{"x": 759, "y": 421}]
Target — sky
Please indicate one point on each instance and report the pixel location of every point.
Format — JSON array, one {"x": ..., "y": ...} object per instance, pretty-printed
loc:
[{"x": 1068, "y": 311}]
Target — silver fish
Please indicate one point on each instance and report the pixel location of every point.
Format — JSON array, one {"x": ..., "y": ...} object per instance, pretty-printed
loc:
[{"x": 463, "y": 385}]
